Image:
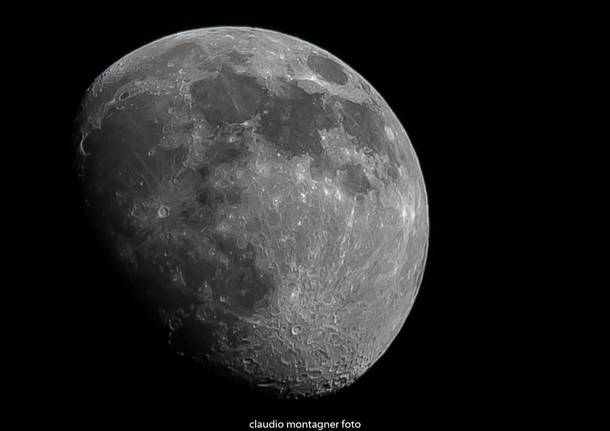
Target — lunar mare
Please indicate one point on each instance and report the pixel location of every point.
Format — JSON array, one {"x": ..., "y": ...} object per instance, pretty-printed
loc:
[{"x": 264, "y": 200}]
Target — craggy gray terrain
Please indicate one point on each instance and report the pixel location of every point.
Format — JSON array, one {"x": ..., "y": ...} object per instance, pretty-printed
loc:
[{"x": 264, "y": 199}]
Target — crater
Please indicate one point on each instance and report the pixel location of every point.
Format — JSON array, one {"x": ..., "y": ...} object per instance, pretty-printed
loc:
[
  {"x": 355, "y": 180},
  {"x": 328, "y": 69}
]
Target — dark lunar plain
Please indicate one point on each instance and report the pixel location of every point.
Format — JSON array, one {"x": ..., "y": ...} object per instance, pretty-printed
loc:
[{"x": 99, "y": 353}]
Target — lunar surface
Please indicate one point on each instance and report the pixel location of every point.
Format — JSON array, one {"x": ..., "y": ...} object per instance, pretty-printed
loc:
[{"x": 262, "y": 198}]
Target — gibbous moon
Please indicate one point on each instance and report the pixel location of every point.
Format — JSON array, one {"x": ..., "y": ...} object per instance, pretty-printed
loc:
[{"x": 262, "y": 198}]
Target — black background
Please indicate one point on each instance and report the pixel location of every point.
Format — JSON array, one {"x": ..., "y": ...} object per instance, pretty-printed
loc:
[{"x": 442, "y": 72}]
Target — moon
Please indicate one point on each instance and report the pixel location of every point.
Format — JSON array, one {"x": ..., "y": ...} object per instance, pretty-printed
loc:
[{"x": 262, "y": 199}]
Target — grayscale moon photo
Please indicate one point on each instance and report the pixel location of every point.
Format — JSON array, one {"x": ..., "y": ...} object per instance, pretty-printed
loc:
[{"x": 261, "y": 199}]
